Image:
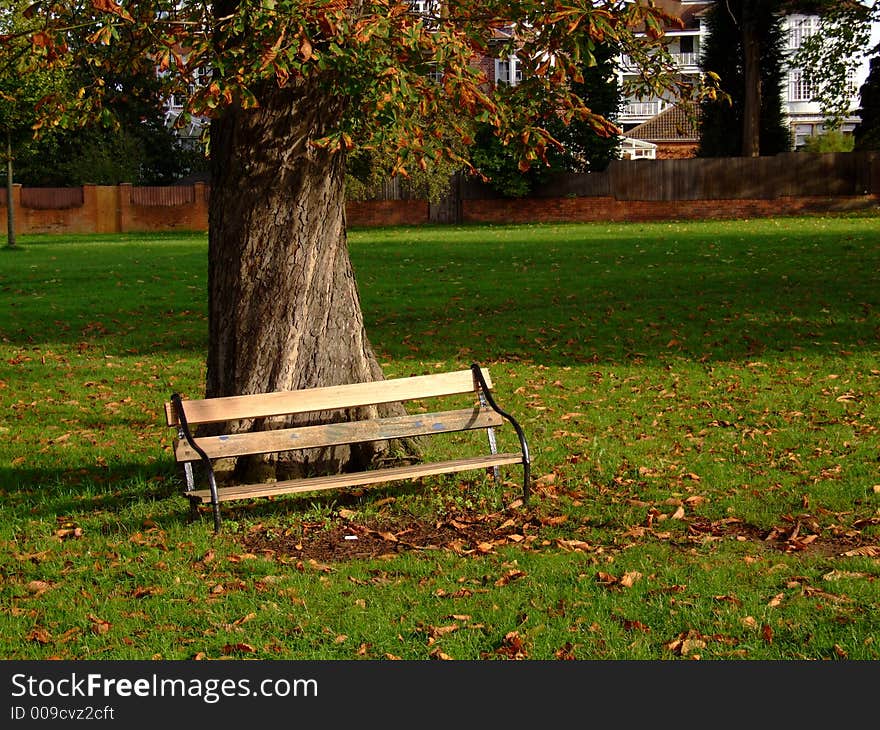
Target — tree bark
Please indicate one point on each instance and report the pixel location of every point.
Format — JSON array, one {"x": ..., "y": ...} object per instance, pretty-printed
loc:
[
  {"x": 10, "y": 203},
  {"x": 284, "y": 309},
  {"x": 751, "y": 139}
]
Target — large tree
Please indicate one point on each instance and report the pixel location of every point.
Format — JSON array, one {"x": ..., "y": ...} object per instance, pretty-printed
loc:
[
  {"x": 867, "y": 134},
  {"x": 745, "y": 48},
  {"x": 295, "y": 86}
]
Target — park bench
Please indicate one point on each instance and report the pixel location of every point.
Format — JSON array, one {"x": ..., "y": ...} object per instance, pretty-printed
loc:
[{"x": 481, "y": 413}]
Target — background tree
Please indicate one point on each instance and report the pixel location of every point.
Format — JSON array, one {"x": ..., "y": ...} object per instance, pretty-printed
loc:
[
  {"x": 867, "y": 134},
  {"x": 745, "y": 48},
  {"x": 132, "y": 145},
  {"x": 20, "y": 92},
  {"x": 830, "y": 57},
  {"x": 296, "y": 86},
  {"x": 582, "y": 146}
]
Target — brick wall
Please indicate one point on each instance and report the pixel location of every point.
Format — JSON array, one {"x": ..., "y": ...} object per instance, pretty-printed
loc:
[
  {"x": 595, "y": 209},
  {"x": 109, "y": 209}
]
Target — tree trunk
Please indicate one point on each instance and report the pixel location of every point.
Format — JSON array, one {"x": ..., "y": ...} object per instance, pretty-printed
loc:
[
  {"x": 751, "y": 140},
  {"x": 284, "y": 310},
  {"x": 10, "y": 206}
]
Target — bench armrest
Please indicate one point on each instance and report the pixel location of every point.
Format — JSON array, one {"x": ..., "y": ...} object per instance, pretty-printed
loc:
[
  {"x": 184, "y": 431},
  {"x": 480, "y": 382}
]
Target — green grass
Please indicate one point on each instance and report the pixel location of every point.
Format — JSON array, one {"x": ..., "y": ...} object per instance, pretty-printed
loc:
[{"x": 688, "y": 390}]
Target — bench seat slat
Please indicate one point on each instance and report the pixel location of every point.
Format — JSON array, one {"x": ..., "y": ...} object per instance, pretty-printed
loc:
[
  {"x": 375, "y": 476},
  {"x": 335, "y": 434},
  {"x": 352, "y": 395}
]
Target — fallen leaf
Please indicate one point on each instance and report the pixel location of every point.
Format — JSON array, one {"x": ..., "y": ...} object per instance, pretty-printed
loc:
[
  {"x": 232, "y": 648},
  {"x": 575, "y": 545},
  {"x": 38, "y": 587},
  {"x": 509, "y": 576},
  {"x": 99, "y": 625},
  {"x": 689, "y": 646},
  {"x": 868, "y": 551},
  {"x": 41, "y": 636}
]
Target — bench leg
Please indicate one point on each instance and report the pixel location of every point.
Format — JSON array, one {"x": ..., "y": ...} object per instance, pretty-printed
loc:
[
  {"x": 193, "y": 510},
  {"x": 215, "y": 500}
]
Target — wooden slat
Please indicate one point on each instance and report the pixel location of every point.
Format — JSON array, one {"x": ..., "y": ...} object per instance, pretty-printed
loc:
[
  {"x": 334, "y": 434},
  {"x": 353, "y": 395},
  {"x": 335, "y": 481}
]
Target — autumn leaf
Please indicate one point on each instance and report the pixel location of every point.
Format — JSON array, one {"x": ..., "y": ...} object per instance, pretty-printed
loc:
[
  {"x": 144, "y": 591},
  {"x": 574, "y": 545},
  {"x": 630, "y": 578},
  {"x": 41, "y": 636},
  {"x": 99, "y": 625},
  {"x": 38, "y": 587},
  {"x": 243, "y": 648},
  {"x": 510, "y": 575},
  {"x": 512, "y": 646},
  {"x": 108, "y": 6},
  {"x": 867, "y": 551}
]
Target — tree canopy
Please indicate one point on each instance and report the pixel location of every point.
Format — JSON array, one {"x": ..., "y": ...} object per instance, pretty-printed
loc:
[
  {"x": 830, "y": 57},
  {"x": 402, "y": 77}
]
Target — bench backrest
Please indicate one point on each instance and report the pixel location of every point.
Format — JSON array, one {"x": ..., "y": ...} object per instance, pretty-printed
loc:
[
  {"x": 265, "y": 405},
  {"x": 352, "y": 395}
]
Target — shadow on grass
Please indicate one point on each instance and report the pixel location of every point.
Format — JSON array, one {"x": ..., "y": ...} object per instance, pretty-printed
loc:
[
  {"x": 108, "y": 494},
  {"x": 570, "y": 304},
  {"x": 555, "y": 295},
  {"x": 50, "y": 494}
]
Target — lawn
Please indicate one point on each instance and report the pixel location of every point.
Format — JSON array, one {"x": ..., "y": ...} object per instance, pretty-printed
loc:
[{"x": 700, "y": 399}]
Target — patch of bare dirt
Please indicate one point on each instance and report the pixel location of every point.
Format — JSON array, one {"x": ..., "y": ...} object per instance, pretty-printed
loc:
[{"x": 344, "y": 537}]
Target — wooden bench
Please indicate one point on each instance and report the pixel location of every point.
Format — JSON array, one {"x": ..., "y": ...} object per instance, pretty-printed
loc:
[{"x": 482, "y": 413}]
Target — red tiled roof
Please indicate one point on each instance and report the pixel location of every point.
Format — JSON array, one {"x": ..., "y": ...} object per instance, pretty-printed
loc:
[{"x": 672, "y": 124}]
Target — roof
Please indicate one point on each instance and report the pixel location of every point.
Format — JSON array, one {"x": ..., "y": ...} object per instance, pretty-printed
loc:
[{"x": 673, "y": 124}]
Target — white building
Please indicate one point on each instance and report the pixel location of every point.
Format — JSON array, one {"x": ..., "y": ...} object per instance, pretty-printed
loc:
[{"x": 804, "y": 114}]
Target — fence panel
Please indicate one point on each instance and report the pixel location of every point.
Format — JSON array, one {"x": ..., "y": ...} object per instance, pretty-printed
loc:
[
  {"x": 169, "y": 195},
  {"x": 51, "y": 198},
  {"x": 581, "y": 185}
]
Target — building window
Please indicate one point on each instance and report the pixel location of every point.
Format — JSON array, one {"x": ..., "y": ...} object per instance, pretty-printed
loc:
[
  {"x": 423, "y": 7},
  {"x": 798, "y": 87},
  {"x": 507, "y": 71},
  {"x": 801, "y": 27},
  {"x": 802, "y": 132}
]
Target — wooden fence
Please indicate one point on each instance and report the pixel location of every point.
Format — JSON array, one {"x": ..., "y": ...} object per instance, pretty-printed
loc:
[
  {"x": 626, "y": 190},
  {"x": 794, "y": 174}
]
